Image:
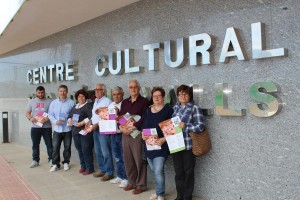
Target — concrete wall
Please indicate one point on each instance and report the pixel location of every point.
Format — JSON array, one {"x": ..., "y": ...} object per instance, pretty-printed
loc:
[{"x": 252, "y": 157}]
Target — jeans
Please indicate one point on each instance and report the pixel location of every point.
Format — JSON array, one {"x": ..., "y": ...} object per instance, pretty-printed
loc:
[
  {"x": 157, "y": 165},
  {"x": 36, "y": 134},
  {"x": 116, "y": 144},
  {"x": 105, "y": 143},
  {"x": 184, "y": 164},
  {"x": 84, "y": 145},
  {"x": 98, "y": 152},
  {"x": 66, "y": 137}
]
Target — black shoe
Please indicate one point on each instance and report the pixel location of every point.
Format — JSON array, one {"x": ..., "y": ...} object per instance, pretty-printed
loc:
[{"x": 179, "y": 198}]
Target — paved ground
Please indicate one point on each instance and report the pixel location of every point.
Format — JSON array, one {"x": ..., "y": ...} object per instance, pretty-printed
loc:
[{"x": 39, "y": 183}]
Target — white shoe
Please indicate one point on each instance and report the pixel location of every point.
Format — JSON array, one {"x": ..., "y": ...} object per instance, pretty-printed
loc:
[
  {"x": 50, "y": 163},
  {"x": 66, "y": 166},
  {"x": 34, "y": 164},
  {"x": 123, "y": 183},
  {"x": 153, "y": 196},
  {"x": 54, "y": 168},
  {"x": 116, "y": 180}
]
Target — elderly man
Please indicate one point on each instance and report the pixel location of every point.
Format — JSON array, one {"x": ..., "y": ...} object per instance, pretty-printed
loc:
[
  {"x": 41, "y": 126},
  {"x": 135, "y": 168},
  {"x": 102, "y": 142},
  {"x": 116, "y": 142}
]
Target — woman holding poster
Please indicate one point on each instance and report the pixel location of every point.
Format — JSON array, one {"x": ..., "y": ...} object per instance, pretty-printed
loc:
[
  {"x": 156, "y": 148},
  {"x": 78, "y": 117},
  {"x": 192, "y": 120}
]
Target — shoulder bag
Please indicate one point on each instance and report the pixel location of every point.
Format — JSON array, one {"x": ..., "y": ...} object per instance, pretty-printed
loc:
[{"x": 201, "y": 143}]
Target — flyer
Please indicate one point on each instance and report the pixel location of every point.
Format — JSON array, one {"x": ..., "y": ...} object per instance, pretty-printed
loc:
[
  {"x": 75, "y": 119},
  {"x": 128, "y": 120},
  {"x": 173, "y": 134},
  {"x": 152, "y": 138},
  {"x": 40, "y": 118},
  {"x": 107, "y": 122}
]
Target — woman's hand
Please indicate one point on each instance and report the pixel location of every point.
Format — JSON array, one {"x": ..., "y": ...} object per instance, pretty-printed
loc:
[
  {"x": 160, "y": 141},
  {"x": 79, "y": 124},
  {"x": 181, "y": 125},
  {"x": 145, "y": 137}
]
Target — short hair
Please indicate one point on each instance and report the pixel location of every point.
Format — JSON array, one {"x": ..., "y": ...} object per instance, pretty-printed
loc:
[
  {"x": 136, "y": 81},
  {"x": 40, "y": 88},
  {"x": 63, "y": 86},
  {"x": 187, "y": 89},
  {"x": 119, "y": 89},
  {"x": 83, "y": 92},
  {"x": 102, "y": 85},
  {"x": 159, "y": 89}
]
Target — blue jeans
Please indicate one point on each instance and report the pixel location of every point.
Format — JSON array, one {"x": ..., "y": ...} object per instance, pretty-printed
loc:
[
  {"x": 98, "y": 152},
  {"x": 36, "y": 135},
  {"x": 157, "y": 165},
  {"x": 66, "y": 137},
  {"x": 116, "y": 144},
  {"x": 84, "y": 145}
]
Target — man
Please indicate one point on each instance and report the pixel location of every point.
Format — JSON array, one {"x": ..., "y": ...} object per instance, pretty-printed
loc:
[
  {"x": 35, "y": 110},
  {"x": 116, "y": 142},
  {"x": 58, "y": 113},
  {"x": 136, "y": 169},
  {"x": 102, "y": 142}
]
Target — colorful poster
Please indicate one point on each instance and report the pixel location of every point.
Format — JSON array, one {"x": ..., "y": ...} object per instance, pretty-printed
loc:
[
  {"x": 40, "y": 118},
  {"x": 152, "y": 138},
  {"x": 173, "y": 134},
  {"x": 128, "y": 120},
  {"x": 107, "y": 122}
]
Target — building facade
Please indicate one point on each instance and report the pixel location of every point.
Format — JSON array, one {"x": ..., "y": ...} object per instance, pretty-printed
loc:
[{"x": 241, "y": 57}]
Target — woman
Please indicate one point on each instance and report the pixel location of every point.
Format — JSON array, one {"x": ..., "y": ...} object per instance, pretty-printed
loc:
[
  {"x": 155, "y": 114},
  {"x": 184, "y": 161},
  {"x": 78, "y": 117}
]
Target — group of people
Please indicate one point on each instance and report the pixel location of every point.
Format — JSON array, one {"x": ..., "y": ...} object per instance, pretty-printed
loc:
[{"x": 127, "y": 151}]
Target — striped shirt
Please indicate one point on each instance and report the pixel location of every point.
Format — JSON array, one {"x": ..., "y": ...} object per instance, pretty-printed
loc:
[{"x": 193, "y": 123}]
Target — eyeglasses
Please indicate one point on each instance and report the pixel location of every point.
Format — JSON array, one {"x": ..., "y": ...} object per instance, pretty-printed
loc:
[
  {"x": 133, "y": 87},
  {"x": 183, "y": 94},
  {"x": 98, "y": 89},
  {"x": 157, "y": 96}
]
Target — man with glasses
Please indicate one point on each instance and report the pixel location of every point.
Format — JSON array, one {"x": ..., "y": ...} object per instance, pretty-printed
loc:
[
  {"x": 102, "y": 142},
  {"x": 136, "y": 169}
]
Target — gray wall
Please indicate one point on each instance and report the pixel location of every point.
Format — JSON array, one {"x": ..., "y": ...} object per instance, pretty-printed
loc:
[{"x": 252, "y": 157}]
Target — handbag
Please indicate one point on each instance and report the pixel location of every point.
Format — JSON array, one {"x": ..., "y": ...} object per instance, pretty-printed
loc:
[{"x": 201, "y": 143}]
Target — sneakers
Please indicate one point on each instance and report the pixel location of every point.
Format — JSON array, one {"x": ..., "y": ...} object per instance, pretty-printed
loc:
[
  {"x": 116, "y": 180},
  {"x": 153, "y": 196},
  {"x": 54, "y": 168},
  {"x": 160, "y": 198},
  {"x": 50, "y": 163},
  {"x": 34, "y": 164},
  {"x": 66, "y": 166},
  {"x": 106, "y": 177},
  {"x": 123, "y": 183}
]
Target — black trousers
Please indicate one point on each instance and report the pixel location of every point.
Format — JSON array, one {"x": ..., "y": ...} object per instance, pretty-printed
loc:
[{"x": 184, "y": 164}]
